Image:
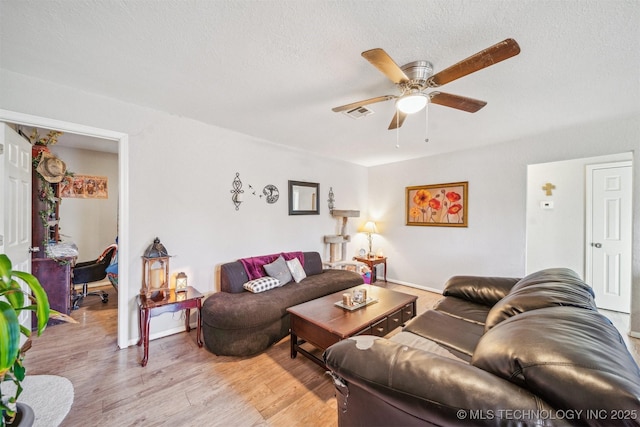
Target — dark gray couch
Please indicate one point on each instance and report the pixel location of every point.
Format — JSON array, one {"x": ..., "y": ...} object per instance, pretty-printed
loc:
[
  {"x": 236, "y": 322},
  {"x": 493, "y": 352}
]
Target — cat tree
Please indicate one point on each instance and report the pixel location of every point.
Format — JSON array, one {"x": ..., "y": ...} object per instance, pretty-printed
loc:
[{"x": 338, "y": 243}]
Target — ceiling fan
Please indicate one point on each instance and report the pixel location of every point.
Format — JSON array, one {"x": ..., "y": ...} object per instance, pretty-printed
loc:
[{"x": 414, "y": 78}]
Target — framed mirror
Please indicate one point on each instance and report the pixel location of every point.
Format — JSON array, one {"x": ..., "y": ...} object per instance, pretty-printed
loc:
[{"x": 304, "y": 198}]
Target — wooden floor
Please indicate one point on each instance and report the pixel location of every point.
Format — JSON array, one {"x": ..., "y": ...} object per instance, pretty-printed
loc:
[{"x": 182, "y": 384}]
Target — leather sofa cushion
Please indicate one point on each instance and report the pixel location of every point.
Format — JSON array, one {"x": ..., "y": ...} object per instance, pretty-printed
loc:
[
  {"x": 481, "y": 290},
  {"x": 463, "y": 309},
  {"x": 573, "y": 359},
  {"x": 538, "y": 295},
  {"x": 432, "y": 388},
  {"x": 564, "y": 275},
  {"x": 458, "y": 335},
  {"x": 415, "y": 341}
]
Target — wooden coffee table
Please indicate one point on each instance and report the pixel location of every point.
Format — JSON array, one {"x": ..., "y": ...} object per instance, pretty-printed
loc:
[{"x": 321, "y": 323}]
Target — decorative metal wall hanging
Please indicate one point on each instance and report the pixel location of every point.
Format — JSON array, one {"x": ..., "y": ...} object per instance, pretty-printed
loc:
[
  {"x": 271, "y": 193},
  {"x": 331, "y": 199},
  {"x": 236, "y": 196}
]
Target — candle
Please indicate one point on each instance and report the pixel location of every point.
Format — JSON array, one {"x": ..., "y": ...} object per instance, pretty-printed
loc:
[
  {"x": 346, "y": 299},
  {"x": 156, "y": 278}
]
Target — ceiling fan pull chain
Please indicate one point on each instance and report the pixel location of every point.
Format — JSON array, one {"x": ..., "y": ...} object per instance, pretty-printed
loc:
[
  {"x": 397, "y": 131},
  {"x": 426, "y": 123}
]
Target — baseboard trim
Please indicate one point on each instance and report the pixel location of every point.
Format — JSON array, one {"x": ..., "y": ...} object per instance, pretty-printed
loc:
[
  {"x": 163, "y": 334},
  {"x": 168, "y": 332},
  {"x": 413, "y": 285}
]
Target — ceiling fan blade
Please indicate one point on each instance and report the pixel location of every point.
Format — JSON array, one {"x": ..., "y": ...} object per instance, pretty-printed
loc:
[
  {"x": 492, "y": 55},
  {"x": 383, "y": 62},
  {"x": 463, "y": 103},
  {"x": 398, "y": 119},
  {"x": 361, "y": 103}
]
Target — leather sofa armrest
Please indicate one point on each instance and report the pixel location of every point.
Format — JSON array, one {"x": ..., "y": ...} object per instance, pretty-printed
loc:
[
  {"x": 482, "y": 290},
  {"x": 432, "y": 388}
]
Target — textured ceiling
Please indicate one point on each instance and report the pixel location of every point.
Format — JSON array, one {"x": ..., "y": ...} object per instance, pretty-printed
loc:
[{"x": 274, "y": 69}]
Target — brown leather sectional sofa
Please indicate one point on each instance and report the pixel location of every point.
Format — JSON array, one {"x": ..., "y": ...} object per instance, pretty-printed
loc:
[
  {"x": 493, "y": 352},
  {"x": 236, "y": 322}
]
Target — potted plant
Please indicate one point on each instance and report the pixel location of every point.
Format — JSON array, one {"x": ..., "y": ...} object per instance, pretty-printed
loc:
[{"x": 11, "y": 352}]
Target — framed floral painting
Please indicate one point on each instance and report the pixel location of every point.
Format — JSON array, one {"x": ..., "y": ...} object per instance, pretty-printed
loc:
[{"x": 443, "y": 205}]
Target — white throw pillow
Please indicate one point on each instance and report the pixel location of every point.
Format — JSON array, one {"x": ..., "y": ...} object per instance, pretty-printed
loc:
[
  {"x": 296, "y": 269},
  {"x": 262, "y": 284}
]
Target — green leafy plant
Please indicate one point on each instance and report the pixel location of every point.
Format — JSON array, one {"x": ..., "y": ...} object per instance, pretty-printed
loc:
[{"x": 14, "y": 300}]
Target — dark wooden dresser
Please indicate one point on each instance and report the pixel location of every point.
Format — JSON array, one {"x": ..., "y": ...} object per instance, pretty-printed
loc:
[
  {"x": 55, "y": 278},
  {"x": 54, "y": 274}
]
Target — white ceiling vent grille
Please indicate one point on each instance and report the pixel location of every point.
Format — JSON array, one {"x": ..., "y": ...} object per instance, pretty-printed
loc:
[{"x": 358, "y": 112}]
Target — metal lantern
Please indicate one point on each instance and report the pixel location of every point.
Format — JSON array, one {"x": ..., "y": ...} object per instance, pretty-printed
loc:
[
  {"x": 155, "y": 270},
  {"x": 181, "y": 282}
]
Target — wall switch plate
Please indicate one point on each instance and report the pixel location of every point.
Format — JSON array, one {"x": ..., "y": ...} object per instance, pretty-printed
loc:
[{"x": 546, "y": 204}]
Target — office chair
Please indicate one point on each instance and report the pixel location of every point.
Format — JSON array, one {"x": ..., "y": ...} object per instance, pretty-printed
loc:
[{"x": 92, "y": 271}]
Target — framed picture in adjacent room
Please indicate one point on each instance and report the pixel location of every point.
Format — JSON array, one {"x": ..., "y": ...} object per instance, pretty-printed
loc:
[
  {"x": 443, "y": 205},
  {"x": 85, "y": 187}
]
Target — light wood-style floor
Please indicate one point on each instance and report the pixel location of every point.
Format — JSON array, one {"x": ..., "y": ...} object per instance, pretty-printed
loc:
[{"x": 184, "y": 385}]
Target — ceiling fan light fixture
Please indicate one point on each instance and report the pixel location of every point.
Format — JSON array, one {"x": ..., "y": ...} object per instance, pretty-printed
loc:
[{"x": 412, "y": 102}]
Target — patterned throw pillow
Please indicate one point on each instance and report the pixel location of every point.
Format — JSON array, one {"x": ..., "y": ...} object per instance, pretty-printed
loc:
[
  {"x": 262, "y": 284},
  {"x": 296, "y": 269},
  {"x": 279, "y": 270}
]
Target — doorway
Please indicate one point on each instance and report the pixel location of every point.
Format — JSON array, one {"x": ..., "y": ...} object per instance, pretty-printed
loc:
[
  {"x": 556, "y": 216},
  {"x": 122, "y": 140}
]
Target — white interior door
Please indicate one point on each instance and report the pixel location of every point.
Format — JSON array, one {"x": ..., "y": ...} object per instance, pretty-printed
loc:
[
  {"x": 16, "y": 199},
  {"x": 609, "y": 217}
]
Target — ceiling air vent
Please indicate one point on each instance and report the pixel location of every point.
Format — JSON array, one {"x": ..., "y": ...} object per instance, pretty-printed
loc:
[{"x": 358, "y": 112}]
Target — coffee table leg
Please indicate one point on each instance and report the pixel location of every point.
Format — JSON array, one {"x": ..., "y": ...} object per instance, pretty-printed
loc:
[{"x": 294, "y": 342}]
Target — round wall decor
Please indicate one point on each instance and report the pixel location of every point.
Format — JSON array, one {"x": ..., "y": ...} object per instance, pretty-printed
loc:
[{"x": 271, "y": 193}]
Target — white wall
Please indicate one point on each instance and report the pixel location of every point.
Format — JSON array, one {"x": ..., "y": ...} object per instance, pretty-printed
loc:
[
  {"x": 180, "y": 181},
  {"x": 556, "y": 237},
  {"x": 495, "y": 241},
  {"x": 92, "y": 224},
  {"x": 181, "y": 173}
]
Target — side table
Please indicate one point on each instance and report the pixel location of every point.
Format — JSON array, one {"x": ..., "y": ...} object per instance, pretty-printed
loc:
[
  {"x": 372, "y": 262},
  {"x": 149, "y": 307}
]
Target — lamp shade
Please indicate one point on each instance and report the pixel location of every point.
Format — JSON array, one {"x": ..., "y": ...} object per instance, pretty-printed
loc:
[
  {"x": 370, "y": 227},
  {"x": 412, "y": 102}
]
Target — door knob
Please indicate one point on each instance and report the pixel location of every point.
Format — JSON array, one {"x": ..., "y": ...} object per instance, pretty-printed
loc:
[
  {"x": 596, "y": 245},
  {"x": 34, "y": 249}
]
